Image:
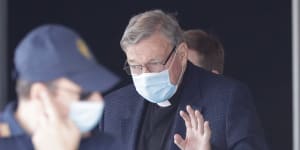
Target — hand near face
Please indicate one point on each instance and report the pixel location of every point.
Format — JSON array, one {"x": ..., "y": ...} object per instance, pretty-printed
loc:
[
  {"x": 198, "y": 132},
  {"x": 54, "y": 132}
]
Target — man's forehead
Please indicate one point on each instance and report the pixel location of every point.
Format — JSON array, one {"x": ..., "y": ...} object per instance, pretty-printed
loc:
[
  {"x": 153, "y": 53},
  {"x": 145, "y": 55}
]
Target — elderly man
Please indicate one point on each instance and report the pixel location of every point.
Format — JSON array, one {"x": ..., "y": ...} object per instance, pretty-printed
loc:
[
  {"x": 145, "y": 114},
  {"x": 59, "y": 101}
]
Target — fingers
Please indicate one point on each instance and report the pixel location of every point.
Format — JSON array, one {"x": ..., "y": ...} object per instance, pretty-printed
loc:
[
  {"x": 200, "y": 121},
  {"x": 179, "y": 141},
  {"x": 191, "y": 113},
  {"x": 194, "y": 119},
  {"x": 186, "y": 119},
  {"x": 48, "y": 106},
  {"x": 41, "y": 123},
  {"x": 71, "y": 126},
  {"x": 41, "y": 127},
  {"x": 198, "y": 132},
  {"x": 207, "y": 131}
]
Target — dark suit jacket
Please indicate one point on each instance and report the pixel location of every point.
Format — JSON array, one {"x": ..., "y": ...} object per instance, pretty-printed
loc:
[{"x": 225, "y": 103}]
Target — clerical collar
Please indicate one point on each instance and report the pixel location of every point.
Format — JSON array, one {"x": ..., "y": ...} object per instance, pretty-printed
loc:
[{"x": 166, "y": 103}]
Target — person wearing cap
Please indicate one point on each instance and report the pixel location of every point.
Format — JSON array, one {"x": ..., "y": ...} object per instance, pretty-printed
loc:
[
  {"x": 147, "y": 115},
  {"x": 59, "y": 87}
]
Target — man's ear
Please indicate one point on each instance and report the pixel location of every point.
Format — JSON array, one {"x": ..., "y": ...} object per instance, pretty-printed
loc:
[
  {"x": 36, "y": 91},
  {"x": 183, "y": 53},
  {"x": 183, "y": 50}
]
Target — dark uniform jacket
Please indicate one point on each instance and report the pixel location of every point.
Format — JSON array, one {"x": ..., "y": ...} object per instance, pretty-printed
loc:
[{"x": 13, "y": 137}]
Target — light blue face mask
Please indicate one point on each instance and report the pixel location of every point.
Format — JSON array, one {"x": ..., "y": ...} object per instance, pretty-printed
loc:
[
  {"x": 154, "y": 87},
  {"x": 86, "y": 115}
]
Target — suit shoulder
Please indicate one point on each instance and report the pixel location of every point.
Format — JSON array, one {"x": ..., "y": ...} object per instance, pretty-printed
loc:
[
  {"x": 211, "y": 79},
  {"x": 122, "y": 99},
  {"x": 209, "y": 84},
  {"x": 122, "y": 93}
]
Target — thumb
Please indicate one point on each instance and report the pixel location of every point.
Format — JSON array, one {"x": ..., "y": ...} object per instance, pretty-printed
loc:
[
  {"x": 179, "y": 141},
  {"x": 207, "y": 130}
]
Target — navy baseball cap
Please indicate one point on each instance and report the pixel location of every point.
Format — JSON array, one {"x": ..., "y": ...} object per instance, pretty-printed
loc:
[{"x": 50, "y": 52}]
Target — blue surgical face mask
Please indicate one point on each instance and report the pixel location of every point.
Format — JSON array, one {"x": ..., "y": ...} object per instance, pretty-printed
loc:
[
  {"x": 155, "y": 87},
  {"x": 86, "y": 115}
]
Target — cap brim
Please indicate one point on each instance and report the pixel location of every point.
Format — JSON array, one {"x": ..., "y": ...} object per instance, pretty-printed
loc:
[{"x": 97, "y": 78}]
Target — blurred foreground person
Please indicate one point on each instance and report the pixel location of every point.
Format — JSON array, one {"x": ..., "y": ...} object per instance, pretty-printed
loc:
[{"x": 59, "y": 89}]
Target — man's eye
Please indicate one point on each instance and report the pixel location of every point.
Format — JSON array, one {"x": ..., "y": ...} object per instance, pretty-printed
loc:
[
  {"x": 154, "y": 63},
  {"x": 134, "y": 66}
]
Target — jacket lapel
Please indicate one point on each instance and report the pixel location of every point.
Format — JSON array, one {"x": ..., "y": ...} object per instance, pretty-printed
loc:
[
  {"x": 131, "y": 125},
  {"x": 190, "y": 95}
]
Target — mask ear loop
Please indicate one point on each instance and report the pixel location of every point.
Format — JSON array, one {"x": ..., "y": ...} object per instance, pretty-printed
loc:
[
  {"x": 180, "y": 77},
  {"x": 173, "y": 59},
  {"x": 182, "y": 70}
]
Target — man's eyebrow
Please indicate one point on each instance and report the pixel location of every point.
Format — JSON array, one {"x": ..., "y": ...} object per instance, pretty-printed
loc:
[
  {"x": 130, "y": 60},
  {"x": 151, "y": 60}
]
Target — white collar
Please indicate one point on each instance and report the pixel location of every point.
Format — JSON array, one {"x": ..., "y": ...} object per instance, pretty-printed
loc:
[{"x": 166, "y": 103}]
